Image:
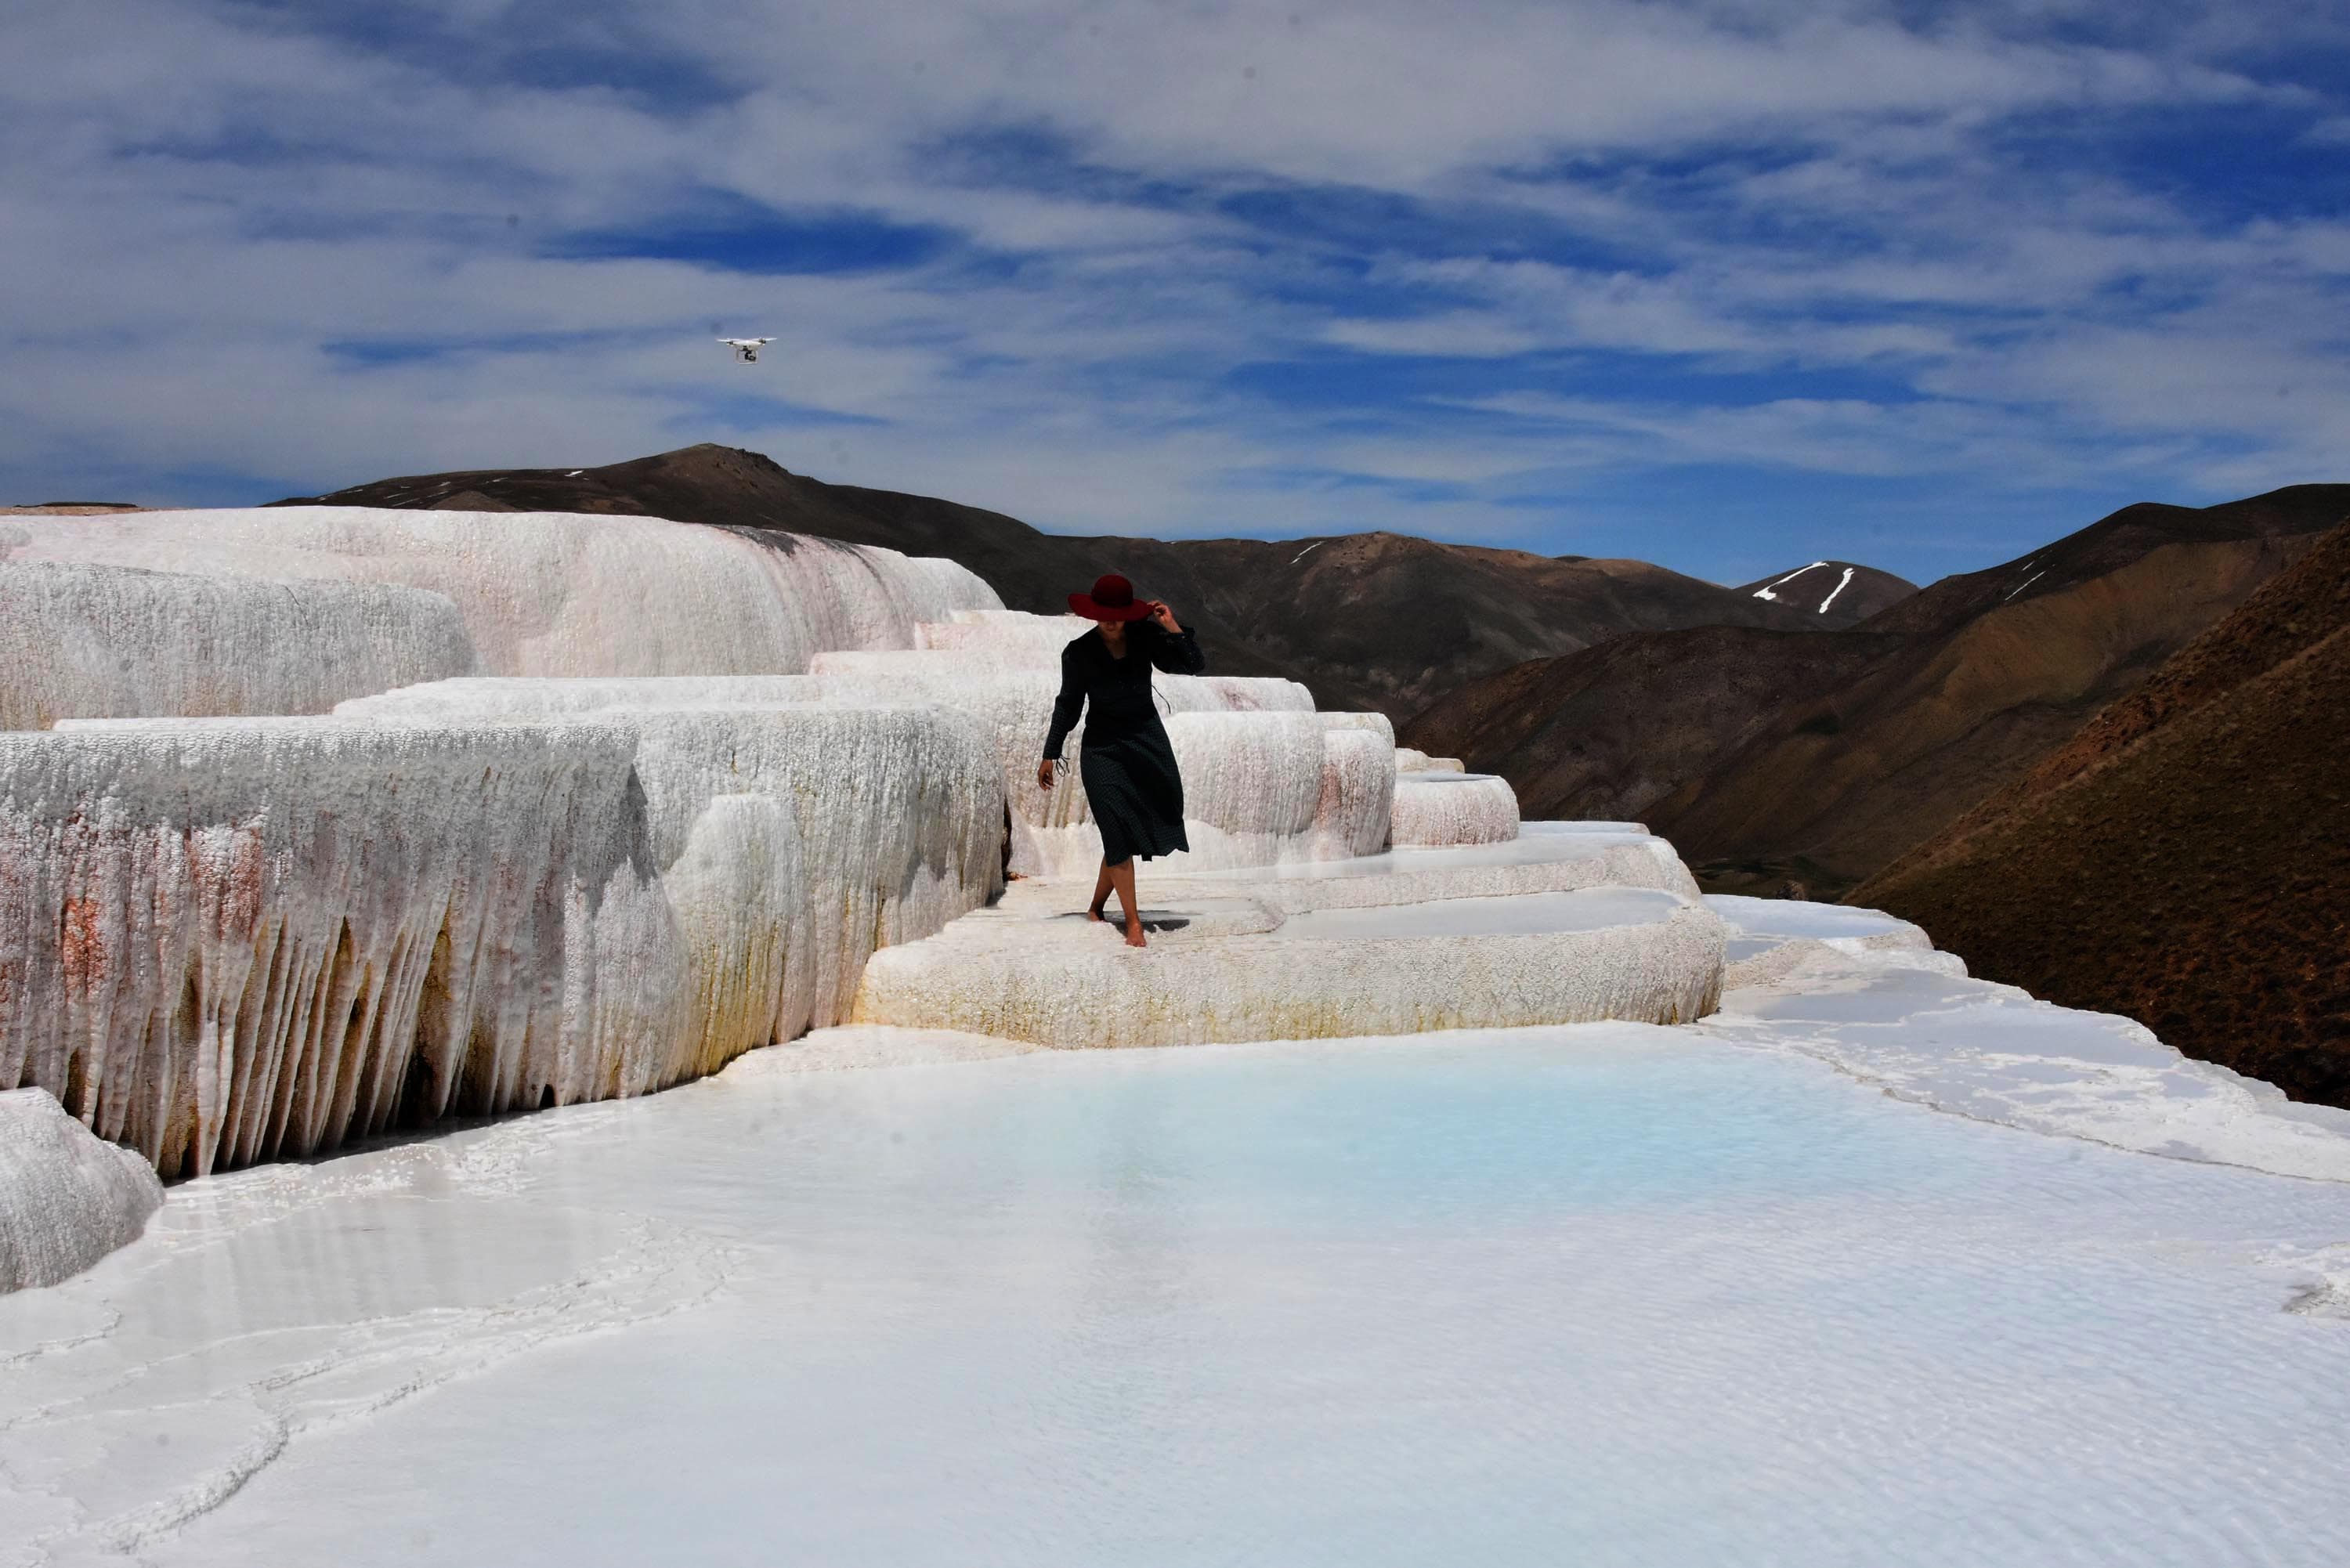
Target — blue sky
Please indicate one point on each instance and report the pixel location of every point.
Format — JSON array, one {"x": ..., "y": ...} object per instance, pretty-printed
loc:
[{"x": 1724, "y": 285}]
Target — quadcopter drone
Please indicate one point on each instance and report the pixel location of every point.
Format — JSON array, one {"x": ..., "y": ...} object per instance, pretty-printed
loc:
[{"x": 746, "y": 348}]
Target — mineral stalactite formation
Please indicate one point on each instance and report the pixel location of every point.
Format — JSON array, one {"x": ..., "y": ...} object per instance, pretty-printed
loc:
[
  {"x": 230, "y": 940},
  {"x": 279, "y": 934}
]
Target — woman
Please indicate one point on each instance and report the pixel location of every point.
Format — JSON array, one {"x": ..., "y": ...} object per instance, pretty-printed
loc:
[{"x": 1126, "y": 764}]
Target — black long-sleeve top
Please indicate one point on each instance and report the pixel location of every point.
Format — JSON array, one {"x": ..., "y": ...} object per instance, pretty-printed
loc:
[{"x": 1118, "y": 690}]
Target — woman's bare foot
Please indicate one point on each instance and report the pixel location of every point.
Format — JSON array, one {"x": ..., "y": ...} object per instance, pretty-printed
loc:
[
  {"x": 1094, "y": 913},
  {"x": 1134, "y": 935}
]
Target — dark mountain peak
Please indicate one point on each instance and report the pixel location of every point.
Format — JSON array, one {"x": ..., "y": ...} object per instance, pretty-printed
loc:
[
  {"x": 704, "y": 462},
  {"x": 1839, "y": 593}
]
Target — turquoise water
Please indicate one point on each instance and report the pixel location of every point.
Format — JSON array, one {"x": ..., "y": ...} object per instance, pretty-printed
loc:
[{"x": 1602, "y": 1295}]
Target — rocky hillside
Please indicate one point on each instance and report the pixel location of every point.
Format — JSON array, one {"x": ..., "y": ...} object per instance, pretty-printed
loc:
[
  {"x": 2185, "y": 858},
  {"x": 1369, "y": 620},
  {"x": 1608, "y": 732},
  {"x": 1826, "y": 758}
]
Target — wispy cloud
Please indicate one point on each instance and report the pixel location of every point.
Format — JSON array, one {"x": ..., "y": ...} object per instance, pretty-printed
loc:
[{"x": 1718, "y": 282}]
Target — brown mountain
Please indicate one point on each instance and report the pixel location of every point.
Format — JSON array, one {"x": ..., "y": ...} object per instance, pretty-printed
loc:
[
  {"x": 2183, "y": 858},
  {"x": 1369, "y": 620},
  {"x": 1826, "y": 757}
]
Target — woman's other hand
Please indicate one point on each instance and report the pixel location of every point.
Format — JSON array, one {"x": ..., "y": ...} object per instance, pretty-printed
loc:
[
  {"x": 1044, "y": 774},
  {"x": 1161, "y": 616}
]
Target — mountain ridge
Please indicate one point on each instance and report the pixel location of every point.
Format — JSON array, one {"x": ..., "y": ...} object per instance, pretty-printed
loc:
[
  {"x": 1376, "y": 620},
  {"x": 1849, "y": 755}
]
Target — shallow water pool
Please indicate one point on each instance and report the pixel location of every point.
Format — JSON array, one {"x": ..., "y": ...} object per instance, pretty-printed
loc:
[{"x": 1601, "y": 1294}]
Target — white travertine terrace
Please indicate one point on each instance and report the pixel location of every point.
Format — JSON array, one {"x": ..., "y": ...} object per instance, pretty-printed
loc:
[
  {"x": 526, "y": 696},
  {"x": 883, "y": 824},
  {"x": 1264, "y": 783},
  {"x": 1227, "y": 962},
  {"x": 922, "y": 671},
  {"x": 81, "y": 641},
  {"x": 1604, "y": 923},
  {"x": 546, "y": 593},
  {"x": 283, "y": 933},
  {"x": 1015, "y": 707},
  {"x": 1007, "y": 639},
  {"x": 604, "y": 802},
  {"x": 891, "y": 825},
  {"x": 1251, "y": 784},
  {"x": 1358, "y": 778},
  {"x": 224, "y": 939},
  {"x": 1437, "y": 807},
  {"x": 1771, "y": 939},
  {"x": 1542, "y": 859},
  {"x": 1013, "y": 640},
  {"x": 67, "y": 1198},
  {"x": 1869, "y": 995},
  {"x": 1356, "y": 804},
  {"x": 1263, "y": 780}
]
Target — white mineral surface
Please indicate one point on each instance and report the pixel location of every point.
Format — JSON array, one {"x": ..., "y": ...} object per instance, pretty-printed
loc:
[
  {"x": 78, "y": 640},
  {"x": 549, "y": 593},
  {"x": 279, "y": 934},
  {"x": 636, "y": 845},
  {"x": 67, "y": 1198},
  {"x": 1436, "y": 807},
  {"x": 232, "y": 939},
  {"x": 883, "y": 824},
  {"x": 1521, "y": 915},
  {"x": 1617, "y": 1293},
  {"x": 1006, "y": 640},
  {"x": 1355, "y": 808},
  {"x": 609, "y": 802},
  {"x": 1234, "y": 958},
  {"x": 1266, "y": 779},
  {"x": 1868, "y": 996},
  {"x": 992, "y": 640},
  {"x": 1541, "y": 859},
  {"x": 524, "y": 696}
]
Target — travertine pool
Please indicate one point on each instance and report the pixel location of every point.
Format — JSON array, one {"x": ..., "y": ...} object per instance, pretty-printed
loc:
[{"x": 1603, "y": 1294}]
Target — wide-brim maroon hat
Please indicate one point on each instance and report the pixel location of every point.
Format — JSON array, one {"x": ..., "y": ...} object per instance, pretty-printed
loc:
[{"x": 1112, "y": 600}]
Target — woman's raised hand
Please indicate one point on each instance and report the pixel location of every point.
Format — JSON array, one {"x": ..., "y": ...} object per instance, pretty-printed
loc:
[
  {"x": 1044, "y": 774},
  {"x": 1163, "y": 617}
]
